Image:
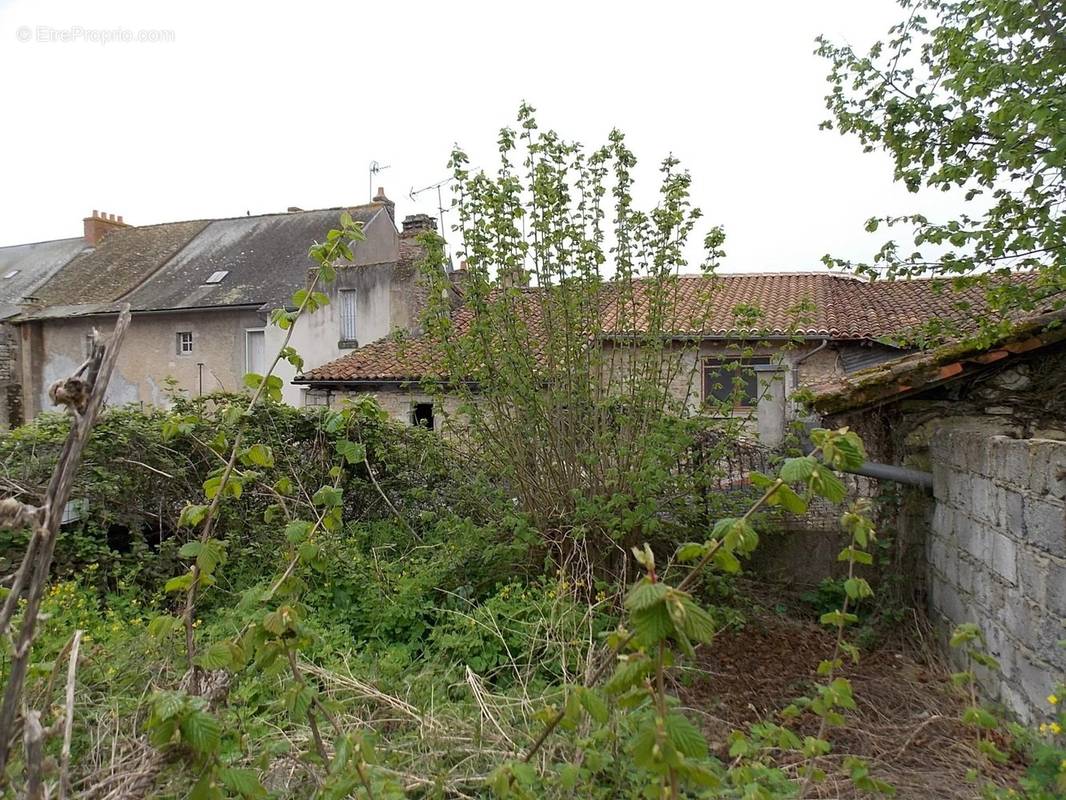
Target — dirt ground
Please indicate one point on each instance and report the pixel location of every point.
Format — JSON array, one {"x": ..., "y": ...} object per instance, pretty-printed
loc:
[{"x": 905, "y": 725}]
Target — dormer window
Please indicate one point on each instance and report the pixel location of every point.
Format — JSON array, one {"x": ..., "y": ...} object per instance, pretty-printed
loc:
[{"x": 218, "y": 276}]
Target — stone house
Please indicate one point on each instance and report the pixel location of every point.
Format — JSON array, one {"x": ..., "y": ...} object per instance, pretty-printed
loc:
[
  {"x": 988, "y": 543},
  {"x": 23, "y": 268},
  {"x": 201, "y": 292},
  {"x": 809, "y": 328}
]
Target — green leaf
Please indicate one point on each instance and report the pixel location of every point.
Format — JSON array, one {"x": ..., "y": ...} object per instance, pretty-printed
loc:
[
  {"x": 645, "y": 593},
  {"x": 691, "y": 551},
  {"x": 787, "y": 498},
  {"x": 328, "y": 496},
  {"x": 594, "y": 705},
  {"x": 179, "y": 584},
  {"x": 795, "y": 470},
  {"x": 166, "y": 705},
  {"x": 201, "y": 732},
  {"x": 352, "y": 452},
  {"x": 857, "y": 588},
  {"x": 685, "y": 736},
  {"x": 298, "y": 530},
  {"x": 190, "y": 549},
  {"x": 217, "y": 656},
  {"x": 163, "y": 626},
  {"x": 651, "y": 625},
  {"x": 244, "y": 782},
  {"x": 212, "y": 553},
  {"x": 206, "y": 788},
  {"x": 838, "y": 618},
  {"x": 825, "y": 484},
  {"x": 260, "y": 455},
  {"x": 192, "y": 515}
]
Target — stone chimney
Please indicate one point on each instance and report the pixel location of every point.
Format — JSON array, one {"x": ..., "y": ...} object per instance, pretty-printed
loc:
[
  {"x": 390, "y": 206},
  {"x": 514, "y": 278},
  {"x": 99, "y": 225},
  {"x": 415, "y": 224}
]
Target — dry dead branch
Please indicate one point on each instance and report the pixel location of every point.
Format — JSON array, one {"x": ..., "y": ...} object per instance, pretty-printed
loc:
[{"x": 84, "y": 397}]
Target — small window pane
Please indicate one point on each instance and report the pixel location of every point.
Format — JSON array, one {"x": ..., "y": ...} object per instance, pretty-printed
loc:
[
  {"x": 732, "y": 381},
  {"x": 347, "y": 304},
  {"x": 422, "y": 415},
  {"x": 256, "y": 352}
]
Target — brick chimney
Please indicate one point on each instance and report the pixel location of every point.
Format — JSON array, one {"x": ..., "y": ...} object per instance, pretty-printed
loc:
[
  {"x": 99, "y": 225},
  {"x": 390, "y": 206},
  {"x": 415, "y": 224}
]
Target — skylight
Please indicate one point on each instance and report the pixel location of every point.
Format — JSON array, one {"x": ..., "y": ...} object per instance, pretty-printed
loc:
[
  {"x": 12, "y": 274},
  {"x": 216, "y": 277}
]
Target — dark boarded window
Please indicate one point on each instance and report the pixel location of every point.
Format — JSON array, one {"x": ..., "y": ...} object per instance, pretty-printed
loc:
[
  {"x": 732, "y": 381},
  {"x": 422, "y": 414}
]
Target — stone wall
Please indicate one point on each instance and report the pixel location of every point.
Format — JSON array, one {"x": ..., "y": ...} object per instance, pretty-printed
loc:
[
  {"x": 996, "y": 553},
  {"x": 10, "y": 390}
]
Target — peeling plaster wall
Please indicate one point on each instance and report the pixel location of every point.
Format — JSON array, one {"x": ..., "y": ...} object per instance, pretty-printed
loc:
[{"x": 148, "y": 358}]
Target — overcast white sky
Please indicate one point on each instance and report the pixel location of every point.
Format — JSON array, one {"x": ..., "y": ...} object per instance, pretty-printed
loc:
[{"x": 260, "y": 106}]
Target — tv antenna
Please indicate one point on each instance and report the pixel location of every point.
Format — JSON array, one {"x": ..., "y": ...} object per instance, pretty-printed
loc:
[
  {"x": 375, "y": 168},
  {"x": 439, "y": 186}
]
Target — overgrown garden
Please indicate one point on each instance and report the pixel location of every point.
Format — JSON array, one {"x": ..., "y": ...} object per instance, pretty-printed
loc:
[{"x": 259, "y": 601}]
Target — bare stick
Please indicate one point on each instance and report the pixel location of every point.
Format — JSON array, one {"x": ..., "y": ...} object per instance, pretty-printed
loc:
[
  {"x": 68, "y": 719},
  {"x": 84, "y": 397},
  {"x": 33, "y": 738}
]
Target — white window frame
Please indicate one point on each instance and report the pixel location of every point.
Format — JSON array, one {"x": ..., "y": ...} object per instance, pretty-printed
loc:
[
  {"x": 180, "y": 336},
  {"x": 248, "y": 349},
  {"x": 349, "y": 322}
]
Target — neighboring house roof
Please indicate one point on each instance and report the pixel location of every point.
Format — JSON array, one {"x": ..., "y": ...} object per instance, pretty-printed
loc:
[
  {"x": 913, "y": 374},
  {"x": 120, "y": 261},
  {"x": 257, "y": 261},
  {"x": 837, "y": 307},
  {"x": 385, "y": 361},
  {"x": 32, "y": 265},
  {"x": 265, "y": 260},
  {"x": 812, "y": 304}
]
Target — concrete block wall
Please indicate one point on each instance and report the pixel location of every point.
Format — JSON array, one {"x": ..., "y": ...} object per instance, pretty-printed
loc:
[{"x": 996, "y": 555}]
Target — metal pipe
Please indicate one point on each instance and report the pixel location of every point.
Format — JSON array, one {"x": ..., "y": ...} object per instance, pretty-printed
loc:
[
  {"x": 808, "y": 354},
  {"x": 890, "y": 472}
]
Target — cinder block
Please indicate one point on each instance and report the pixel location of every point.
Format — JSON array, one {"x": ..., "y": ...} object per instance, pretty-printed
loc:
[
  {"x": 1010, "y": 460},
  {"x": 982, "y": 499},
  {"x": 1034, "y": 571},
  {"x": 1036, "y": 681},
  {"x": 1048, "y": 467},
  {"x": 941, "y": 474},
  {"x": 1045, "y": 524},
  {"x": 1004, "y": 556}
]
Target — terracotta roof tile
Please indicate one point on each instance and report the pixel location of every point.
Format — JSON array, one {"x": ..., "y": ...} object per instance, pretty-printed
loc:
[{"x": 837, "y": 307}]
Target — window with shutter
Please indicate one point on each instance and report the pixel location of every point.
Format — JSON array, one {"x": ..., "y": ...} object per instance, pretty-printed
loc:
[
  {"x": 348, "y": 335},
  {"x": 256, "y": 351}
]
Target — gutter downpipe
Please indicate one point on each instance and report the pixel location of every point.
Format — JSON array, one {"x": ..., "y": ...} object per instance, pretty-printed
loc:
[{"x": 818, "y": 349}]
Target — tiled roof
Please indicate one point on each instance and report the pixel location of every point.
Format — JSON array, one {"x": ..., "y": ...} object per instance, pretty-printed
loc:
[
  {"x": 838, "y": 307},
  {"x": 120, "y": 261},
  {"x": 912, "y": 374},
  {"x": 166, "y": 266},
  {"x": 30, "y": 265},
  {"x": 264, "y": 257}
]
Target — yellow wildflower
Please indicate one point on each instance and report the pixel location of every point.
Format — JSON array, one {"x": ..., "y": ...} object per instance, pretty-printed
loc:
[{"x": 1053, "y": 699}]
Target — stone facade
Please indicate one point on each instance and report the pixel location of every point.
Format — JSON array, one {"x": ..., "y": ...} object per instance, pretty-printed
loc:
[
  {"x": 10, "y": 387},
  {"x": 996, "y": 554},
  {"x": 989, "y": 545}
]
